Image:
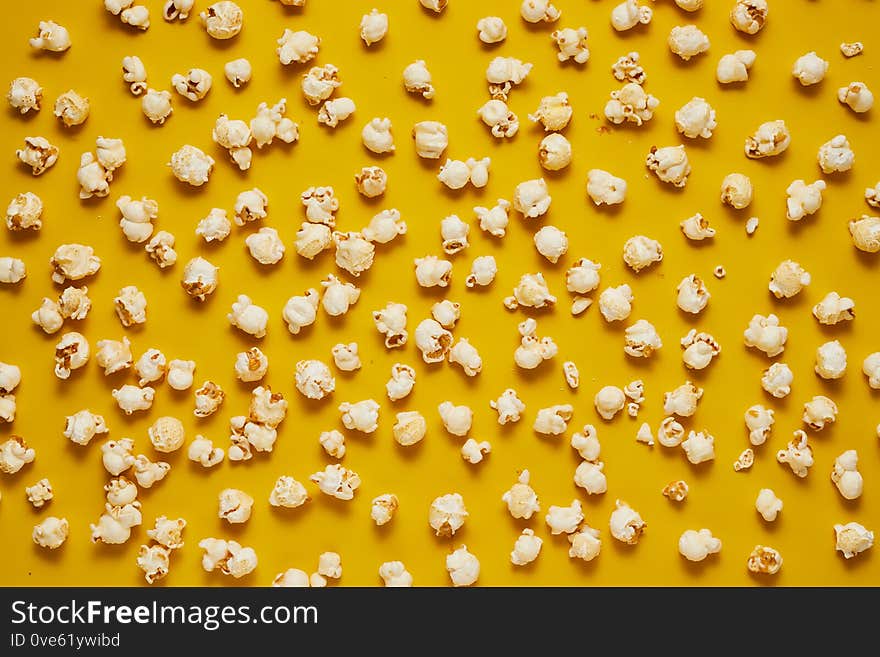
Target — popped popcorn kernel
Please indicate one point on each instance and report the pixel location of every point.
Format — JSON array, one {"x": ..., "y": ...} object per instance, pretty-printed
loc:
[
  {"x": 553, "y": 113},
  {"x": 410, "y": 428},
  {"x": 71, "y": 353},
  {"x": 831, "y": 360},
  {"x": 677, "y": 491},
  {"x": 626, "y": 524},
  {"x": 156, "y": 105},
  {"x": 337, "y": 481},
  {"x": 532, "y": 198},
  {"x": 473, "y": 452},
  {"x": 631, "y": 104},
  {"x": 551, "y": 243},
  {"x": 852, "y": 539},
  {"x": 51, "y": 37},
  {"x": 846, "y": 476},
  {"x": 777, "y": 380},
  {"x": 554, "y": 152},
  {"x": 628, "y": 68},
  {"x": 40, "y": 493},
  {"x": 383, "y": 508},
  {"x": 526, "y": 548},
  {"x": 865, "y": 232},
  {"x": 248, "y": 317},
  {"x": 521, "y": 498},
  {"x": 770, "y": 139},
  {"x": 401, "y": 383},
  {"x": 25, "y": 94},
  {"x": 687, "y": 41},
  {"x": 433, "y": 341},
  {"x": 856, "y": 96},
  {"x": 377, "y": 137},
  {"x": 374, "y": 27},
  {"x": 615, "y": 303},
  {"x": 553, "y": 420},
  {"x": 238, "y": 72},
  {"x": 628, "y": 14},
  {"x": 227, "y": 556},
  {"x": 572, "y": 44},
  {"x": 670, "y": 164},
  {"x": 609, "y": 401},
  {"x": 803, "y": 199},
  {"x": 15, "y": 454},
  {"x": 417, "y": 79},
  {"x": 696, "y": 545},
  {"x": 38, "y": 154},
  {"x": 818, "y": 412},
  {"x": 447, "y": 514},
  {"x": 371, "y": 182},
  {"x": 251, "y": 365},
  {"x": 699, "y": 349},
  {"x": 641, "y": 339},
  {"x": 766, "y": 334},
  {"x": 84, "y": 425},
  {"x": 71, "y": 108},
  {"x": 288, "y": 493},
  {"x": 745, "y": 460},
  {"x": 764, "y": 560},
  {"x": 809, "y": 69},
  {"x": 491, "y": 30},
  {"x": 871, "y": 369},
  {"x": 222, "y": 20},
  {"x": 734, "y": 67},
  {"x": 235, "y": 506},
  {"x": 585, "y": 543},
  {"x": 191, "y": 165},
  {"x": 797, "y": 454},
  {"x": 360, "y": 416},
  {"x": 836, "y": 155},
  {"x": 670, "y": 432},
  {"x": 696, "y": 118},
  {"x": 693, "y": 296},
  {"x": 699, "y": 447},
  {"x": 683, "y": 400},
  {"x": 335, "y": 110},
  {"x": 202, "y": 451},
  {"x": 759, "y": 421},
  {"x": 564, "y": 519},
  {"x": 605, "y": 188},
  {"x": 768, "y": 505},
  {"x": 508, "y": 406},
  {"x": 851, "y": 49},
  {"x": 394, "y": 573},
  {"x": 51, "y": 533},
  {"x": 193, "y": 86},
  {"x": 749, "y": 16},
  {"x": 463, "y": 567}
]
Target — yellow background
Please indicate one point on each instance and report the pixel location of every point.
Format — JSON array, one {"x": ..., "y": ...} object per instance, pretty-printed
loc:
[{"x": 720, "y": 499}]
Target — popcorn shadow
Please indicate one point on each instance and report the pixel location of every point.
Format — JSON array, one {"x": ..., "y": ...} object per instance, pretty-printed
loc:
[
  {"x": 831, "y": 331},
  {"x": 640, "y": 30},
  {"x": 14, "y": 115},
  {"x": 697, "y": 569},
  {"x": 764, "y": 579},
  {"x": 47, "y": 555},
  {"x": 695, "y": 143},
  {"x": 868, "y": 260},
  {"x": 587, "y": 567},
  {"x": 222, "y": 45},
  {"x": 863, "y": 560},
  {"x": 808, "y": 91},
  {"x": 609, "y": 211},
  {"x": 623, "y": 550},
  {"x": 185, "y": 189},
  {"x": 410, "y": 452},
  {"x": 795, "y": 228}
]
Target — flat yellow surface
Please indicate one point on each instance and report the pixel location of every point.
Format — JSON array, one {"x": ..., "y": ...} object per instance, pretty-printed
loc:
[{"x": 720, "y": 499}]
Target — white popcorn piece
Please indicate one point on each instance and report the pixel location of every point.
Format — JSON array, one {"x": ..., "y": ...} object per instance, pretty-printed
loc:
[
  {"x": 797, "y": 454},
  {"x": 71, "y": 353},
  {"x": 447, "y": 514},
  {"x": 110, "y": 153},
  {"x": 635, "y": 390},
  {"x": 265, "y": 246},
  {"x": 227, "y": 556},
  {"x": 683, "y": 400},
  {"x": 483, "y": 271},
  {"x": 631, "y": 104},
  {"x": 531, "y": 292},
  {"x": 503, "y": 73},
  {"x": 532, "y": 198},
  {"x": 360, "y": 416},
  {"x": 298, "y": 47},
  {"x": 749, "y": 16},
  {"x": 51, "y": 37},
  {"x": 641, "y": 339},
  {"x": 831, "y": 360},
  {"x": 846, "y": 476},
  {"x": 670, "y": 433},
  {"x": 734, "y": 67},
  {"x": 572, "y": 44},
  {"x": 745, "y": 460},
  {"x": 777, "y": 380},
  {"x": 521, "y": 499},
  {"x": 313, "y": 379},
  {"x": 687, "y": 41},
  {"x": 677, "y": 491},
  {"x": 851, "y": 49},
  {"x": 871, "y": 369},
  {"x": 131, "y": 398},
  {"x": 38, "y": 154},
  {"x": 491, "y": 29},
  {"x": 431, "y": 271},
  {"x": 84, "y": 425},
  {"x": 248, "y": 317},
  {"x": 865, "y": 233},
  {"x": 553, "y": 420},
  {"x": 113, "y": 355},
  {"x": 764, "y": 560},
  {"x": 312, "y": 239},
  {"x": 193, "y": 86},
  {"x": 238, "y": 72},
  {"x": 202, "y": 451},
  {"x": 696, "y": 545},
  {"x": 51, "y": 532},
  {"x": 456, "y": 419},
  {"x": 301, "y": 311},
  {"x": 401, "y": 383},
  {"x": 25, "y": 94},
  {"x": 71, "y": 108},
  {"x": 571, "y": 374},
  {"x": 591, "y": 478},
  {"x": 214, "y": 227},
  {"x": 526, "y": 549},
  {"x": 836, "y": 155},
  {"x": 768, "y": 505},
  {"x": 135, "y": 74},
  {"x": 191, "y": 165},
  {"x": 615, "y": 303},
  {"x": 604, "y": 188},
  {"x": 497, "y": 115},
  {"x": 640, "y": 252},
  {"x": 7, "y": 408},
  {"x": 371, "y": 182},
  {"x": 670, "y": 164},
  {"x": 759, "y": 421},
  {"x": 339, "y": 296},
  {"x": 852, "y": 539},
  {"x": 417, "y": 79},
  {"x": 766, "y": 334},
  {"x": 24, "y": 212},
  {"x": 94, "y": 180},
  {"x": 335, "y": 110},
  {"x": 554, "y": 112},
  {"x": 345, "y": 357},
  {"x": 177, "y": 10},
  {"x": 156, "y": 105},
  {"x": 251, "y": 365},
  {"x": 235, "y": 136},
  {"x": 696, "y": 228},
  {"x": 872, "y": 195},
  {"x": 689, "y": 5},
  {"x": 410, "y": 428},
  {"x": 626, "y": 524},
  {"x": 15, "y": 454},
  {"x": 383, "y": 508},
  {"x": 628, "y": 14},
  {"x": 137, "y": 216},
  {"x": 131, "y": 306},
  {"x": 446, "y": 313},
  {"x": 463, "y": 567},
  {"x": 222, "y": 20},
  {"x": 40, "y": 493},
  {"x": 455, "y": 174},
  {"x": 473, "y": 451},
  {"x": 288, "y": 493},
  {"x": 374, "y": 27},
  {"x": 179, "y": 374},
  {"x": 551, "y": 243},
  {"x": 699, "y": 447},
  {"x": 319, "y": 83},
  {"x": 818, "y": 412},
  {"x": 770, "y": 139},
  {"x": 696, "y": 118},
  {"x": 117, "y": 456},
  {"x": 432, "y": 340},
  {"x": 856, "y": 96},
  {"x": 628, "y": 68},
  {"x": 267, "y": 408},
  {"x": 167, "y": 434},
  {"x": 609, "y": 401},
  {"x": 251, "y": 205},
  {"x": 809, "y": 69},
  {"x": 337, "y": 481},
  {"x": 377, "y": 137},
  {"x": 803, "y": 199},
  {"x": 235, "y": 506},
  {"x": 155, "y": 561},
  {"x": 533, "y": 350},
  {"x": 151, "y": 366},
  {"x": 330, "y": 565},
  {"x": 508, "y": 406},
  {"x": 538, "y": 11},
  {"x": 200, "y": 278},
  {"x": 454, "y": 233},
  {"x": 586, "y": 443},
  {"x": 147, "y": 472},
  {"x": 321, "y": 205},
  {"x": 466, "y": 355},
  {"x": 699, "y": 349},
  {"x": 564, "y": 519},
  {"x": 384, "y": 227},
  {"x": 10, "y": 377},
  {"x": 585, "y": 543},
  {"x": 394, "y": 573},
  {"x": 136, "y": 16},
  {"x": 583, "y": 276},
  {"x": 270, "y": 123}
]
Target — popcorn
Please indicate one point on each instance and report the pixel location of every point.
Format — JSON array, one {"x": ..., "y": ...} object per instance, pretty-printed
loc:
[
  {"x": 151, "y": 366},
  {"x": 251, "y": 365},
  {"x": 797, "y": 454},
  {"x": 72, "y": 108},
  {"x": 505, "y": 72},
  {"x": 463, "y": 567},
  {"x": 215, "y": 227},
  {"x": 417, "y": 80},
  {"x": 749, "y": 15},
  {"x": 267, "y": 408},
  {"x": 508, "y": 406},
  {"x": 851, "y": 49},
  {"x": 120, "y": 492},
  {"x": 491, "y": 29},
  {"x": 689, "y": 5},
  {"x": 131, "y": 306},
  {"x": 354, "y": 253},
  {"x": 745, "y": 460},
  {"x": 586, "y": 443},
  {"x": 628, "y": 68},
  {"x": 191, "y": 165},
  {"x": 852, "y": 539},
  {"x": 483, "y": 271},
  {"x": 394, "y": 573},
  {"x": 346, "y": 358},
  {"x": 537, "y": 11},
  {"x": 319, "y": 83},
  {"x": 759, "y": 421},
  {"x": 628, "y": 14},
  {"x": 836, "y": 155},
  {"x": 297, "y": 46},
  {"x": 771, "y": 138},
  {"x": 865, "y": 233},
  {"x": 227, "y": 556},
  {"x": 10, "y": 377},
  {"x": 777, "y": 380},
  {"x": 551, "y": 243},
  {"x": 431, "y": 271},
  {"x": 251, "y": 205},
  {"x": 177, "y": 10},
  {"x": 846, "y": 476},
  {"x": 270, "y": 123},
  {"x": 147, "y": 472},
  {"x": 288, "y": 493},
  {"x": 71, "y": 353},
  {"x": 626, "y": 524},
  {"x": 446, "y": 312},
  {"x": 7, "y": 408},
  {"x": 137, "y": 216},
  {"x": 51, "y": 532},
  {"x": 180, "y": 374},
  {"x": 872, "y": 196},
  {"x": 585, "y": 543},
  {"x": 466, "y": 355},
  {"x": 436, "y": 6},
  {"x": 51, "y": 37},
  {"x": 734, "y": 67},
  {"x": 572, "y": 44},
  {"x": 403, "y": 378},
  {"x": 531, "y": 198},
  {"x": 161, "y": 249},
  {"x": 374, "y": 27},
  {"x": 235, "y": 136},
  {"x": 193, "y": 86},
  {"x": 640, "y": 252},
  {"x": 553, "y": 420},
  {"x": 222, "y": 21},
  {"x": 377, "y": 136},
  {"x": 15, "y": 454},
  {"x": 84, "y": 425},
  {"x": 335, "y": 110},
  {"x": 338, "y": 296},
  {"x": 202, "y": 451},
  {"x": 630, "y": 103},
  {"x": 235, "y": 506},
  {"x": 137, "y": 16},
  {"x": 604, "y": 188},
  {"x": 590, "y": 477},
  {"x": 818, "y": 412},
  {"x": 38, "y": 154},
  {"x": 670, "y": 433},
  {"x": 641, "y": 339},
  {"x": 564, "y": 519},
  {"x": 130, "y": 398},
  {"x": 248, "y": 317},
  {"x": 117, "y": 456},
  {"x": 473, "y": 452},
  {"x": 167, "y": 434},
  {"x": 809, "y": 69},
  {"x": 329, "y": 565},
  {"x": 699, "y": 349},
  {"x": 238, "y": 72},
  {"x": 554, "y": 112},
  {"x": 670, "y": 164},
  {"x": 498, "y": 116},
  {"x": 871, "y": 369},
  {"x": 74, "y": 303},
  {"x": 134, "y": 72},
  {"x": 447, "y": 514},
  {"x": 410, "y": 428},
  {"x": 156, "y": 105},
  {"x": 371, "y": 182},
  {"x": 455, "y": 174},
  {"x": 682, "y": 401},
  {"x": 699, "y": 447},
  {"x": 113, "y": 355},
  {"x": 697, "y": 545},
  {"x": 265, "y": 246},
  {"x": 803, "y": 199},
  {"x": 856, "y": 96},
  {"x": 337, "y": 481},
  {"x": 531, "y": 292},
  {"x": 687, "y": 41},
  {"x": 383, "y": 508},
  {"x": 25, "y": 94},
  {"x": 199, "y": 278},
  {"x": 609, "y": 401},
  {"x": 583, "y": 276},
  {"x": 361, "y": 416},
  {"x": 432, "y": 340},
  {"x": 12, "y": 270},
  {"x": 521, "y": 499},
  {"x": 526, "y": 548},
  {"x": 615, "y": 303},
  {"x": 572, "y": 376},
  {"x": 456, "y": 419},
  {"x": 677, "y": 491},
  {"x": 154, "y": 560},
  {"x": 766, "y": 334},
  {"x": 40, "y": 493},
  {"x": 533, "y": 350},
  {"x": 830, "y": 360}
]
